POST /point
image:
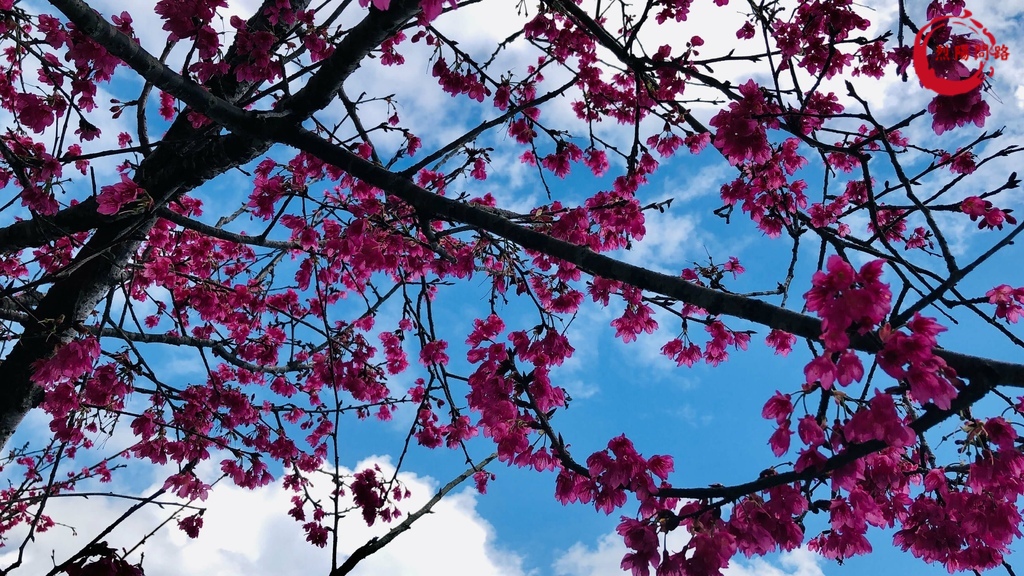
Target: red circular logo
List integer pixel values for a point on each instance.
(943, 47)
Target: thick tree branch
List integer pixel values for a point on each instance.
(165, 174)
(39, 230)
(715, 302)
(213, 231)
(976, 390)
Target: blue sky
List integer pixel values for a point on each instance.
(707, 418)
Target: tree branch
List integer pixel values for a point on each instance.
(376, 544)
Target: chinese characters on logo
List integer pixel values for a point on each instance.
(948, 47)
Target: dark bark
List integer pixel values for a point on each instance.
(167, 173)
(114, 243)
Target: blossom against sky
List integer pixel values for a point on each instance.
(707, 416)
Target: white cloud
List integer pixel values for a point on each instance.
(605, 557)
(669, 243)
(249, 532)
(706, 182)
(799, 562)
(603, 560)
(692, 416)
(579, 389)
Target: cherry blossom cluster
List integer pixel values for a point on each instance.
(814, 32)
(764, 189)
(985, 214)
(1008, 302)
(287, 318)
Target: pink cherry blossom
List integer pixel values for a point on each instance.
(113, 197)
(950, 112)
(1007, 301)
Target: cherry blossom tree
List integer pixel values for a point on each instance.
(303, 300)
